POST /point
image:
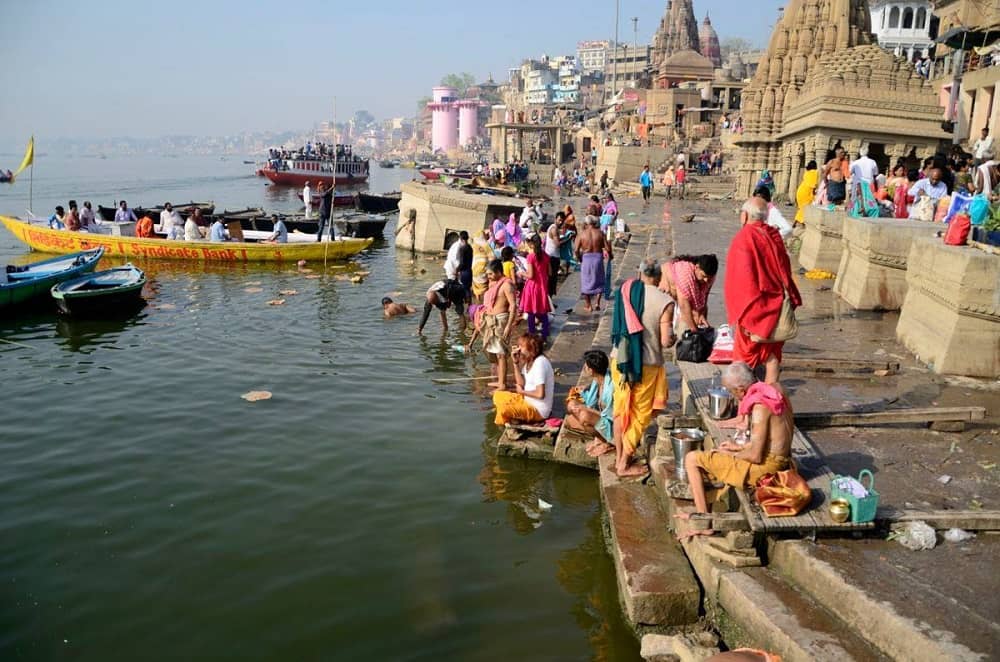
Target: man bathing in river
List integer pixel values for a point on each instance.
(497, 322)
(591, 249)
(443, 295)
(392, 309)
(771, 428)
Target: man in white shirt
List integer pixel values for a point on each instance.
(529, 219)
(191, 230)
(864, 169)
(454, 259)
(982, 150)
(124, 214)
(171, 223)
(931, 186)
(307, 198)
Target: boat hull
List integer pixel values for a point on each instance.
(289, 178)
(13, 294)
(64, 241)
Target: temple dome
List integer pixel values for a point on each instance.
(708, 39)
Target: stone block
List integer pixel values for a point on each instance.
(693, 647)
(872, 271)
(951, 314)
(571, 448)
(822, 240)
(739, 540)
(655, 581)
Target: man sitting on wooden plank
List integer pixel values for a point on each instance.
(772, 425)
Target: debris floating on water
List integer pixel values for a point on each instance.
(254, 396)
(253, 290)
(544, 505)
(276, 302)
(288, 293)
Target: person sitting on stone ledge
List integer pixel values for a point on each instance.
(534, 383)
(591, 411)
(772, 425)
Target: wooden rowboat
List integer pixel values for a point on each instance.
(41, 238)
(100, 293)
(19, 284)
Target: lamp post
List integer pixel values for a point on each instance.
(635, 50)
(614, 52)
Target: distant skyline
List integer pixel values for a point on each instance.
(115, 68)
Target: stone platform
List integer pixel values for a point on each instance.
(951, 315)
(822, 241)
(872, 271)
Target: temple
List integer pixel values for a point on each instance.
(676, 36)
(708, 39)
(823, 83)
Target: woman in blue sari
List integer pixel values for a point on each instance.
(592, 411)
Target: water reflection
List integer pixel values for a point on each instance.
(83, 335)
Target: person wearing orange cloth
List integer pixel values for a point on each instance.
(758, 276)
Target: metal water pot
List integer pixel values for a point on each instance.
(683, 441)
(720, 400)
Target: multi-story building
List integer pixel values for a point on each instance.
(905, 27)
(626, 67)
(567, 90)
(538, 85)
(592, 56)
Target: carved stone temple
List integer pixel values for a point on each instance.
(824, 83)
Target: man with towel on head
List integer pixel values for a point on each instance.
(591, 249)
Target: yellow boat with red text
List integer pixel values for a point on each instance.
(41, 238)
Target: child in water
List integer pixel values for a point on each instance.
(392, 309)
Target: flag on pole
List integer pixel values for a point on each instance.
(29, 158)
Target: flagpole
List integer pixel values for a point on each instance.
(31, 188)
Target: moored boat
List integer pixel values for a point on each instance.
(360, 225)
(39, 237)
(296, 170)
(22, 283)
(114, 290)
(379, 204)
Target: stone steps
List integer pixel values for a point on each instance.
(900, 630)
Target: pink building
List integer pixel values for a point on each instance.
(444, 118)
(468, 121)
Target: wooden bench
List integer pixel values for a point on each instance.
(696, 379)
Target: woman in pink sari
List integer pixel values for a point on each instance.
(535, 297)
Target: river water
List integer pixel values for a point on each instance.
(147, 512)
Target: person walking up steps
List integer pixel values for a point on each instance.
(646, 181)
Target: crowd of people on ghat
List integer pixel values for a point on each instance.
(935, 189)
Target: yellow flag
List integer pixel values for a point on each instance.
(29, 157)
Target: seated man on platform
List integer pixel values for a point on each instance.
(771, 428)
(592, 410)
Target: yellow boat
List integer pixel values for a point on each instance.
(42, 238)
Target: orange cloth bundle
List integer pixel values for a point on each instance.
(783, 494)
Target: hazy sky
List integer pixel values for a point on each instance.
(127, 68)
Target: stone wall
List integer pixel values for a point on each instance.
(441, 211)
(625, 163)
(951, 315)
(822, 242)
(872, 271)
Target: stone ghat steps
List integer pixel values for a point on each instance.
(842, 582)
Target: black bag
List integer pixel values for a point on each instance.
(695, 347)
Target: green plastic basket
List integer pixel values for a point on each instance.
(863, 509)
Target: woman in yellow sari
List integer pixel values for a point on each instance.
(806, 191)
(481, 255)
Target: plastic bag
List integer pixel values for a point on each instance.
(958, 230)
(958, 535)
(776, 220)
(722, 348)
(979, 209)
(917, 535)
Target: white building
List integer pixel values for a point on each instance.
(538, 86)
(592, 56)
(904, 26)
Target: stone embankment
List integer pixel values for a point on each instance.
(825, 599)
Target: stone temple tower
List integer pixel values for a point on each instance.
(709, 41)
(808, 30)
(678, 31)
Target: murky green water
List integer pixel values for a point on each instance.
(147, 512)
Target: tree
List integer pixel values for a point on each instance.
(460, 82)
(735, 45)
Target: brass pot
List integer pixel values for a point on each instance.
(840, 510)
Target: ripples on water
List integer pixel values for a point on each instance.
(150, 513)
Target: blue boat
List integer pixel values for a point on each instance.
(21, 283)
(117, 290)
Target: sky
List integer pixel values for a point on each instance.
(111, 68)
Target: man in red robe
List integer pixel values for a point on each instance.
(758, 274)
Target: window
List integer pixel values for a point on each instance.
(921, 19)
(908, 19)
(894, 18)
